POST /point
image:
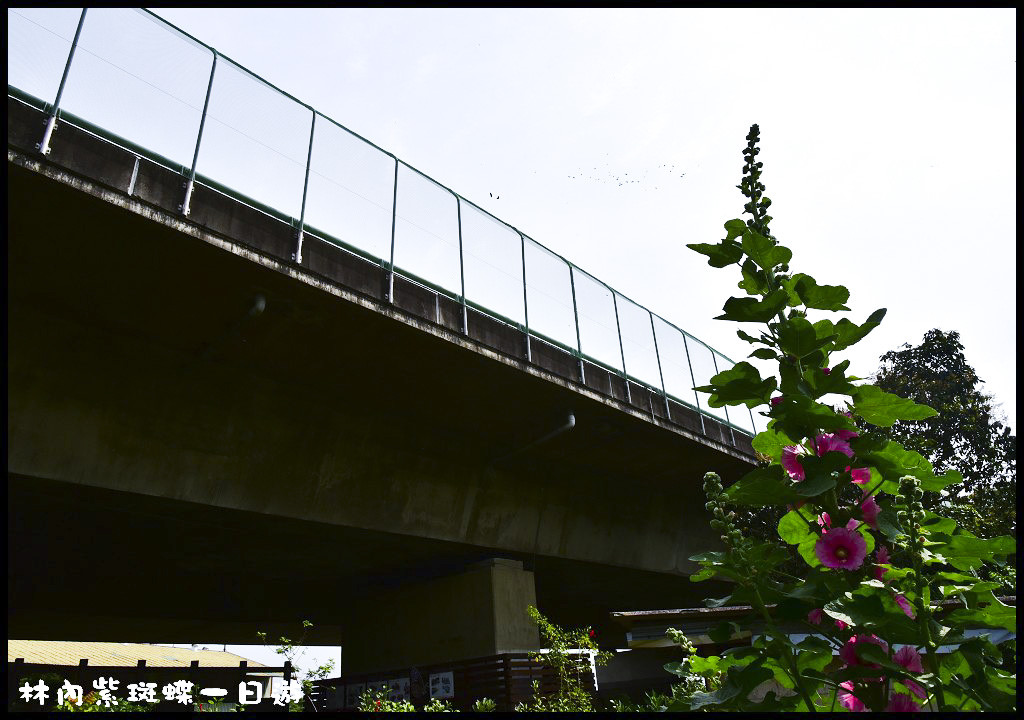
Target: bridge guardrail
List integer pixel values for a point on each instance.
(136, 76)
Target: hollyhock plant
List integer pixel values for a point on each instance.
(791, 464)
(848, 652)
(841, 549)
(869, 508)
(848, 700)
(905, 606)
(902, 703)
(846, 491)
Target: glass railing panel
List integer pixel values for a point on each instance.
(599, 335)
(638, 342)
(674, 362)
(38, 43)
(493, 257)
(549, 295)
(134, 76)
(739, 415)
(255, 140)
(703, 362)
(427, 231)
(351, 190)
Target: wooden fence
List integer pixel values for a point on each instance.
(507, 679)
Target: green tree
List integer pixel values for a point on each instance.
(966, 435)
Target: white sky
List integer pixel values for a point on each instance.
(614, 137)
(888, 138)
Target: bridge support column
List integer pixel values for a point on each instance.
(476, 613)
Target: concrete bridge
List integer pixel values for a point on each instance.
(207, 438)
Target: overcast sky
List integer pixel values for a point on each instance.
(614, 137)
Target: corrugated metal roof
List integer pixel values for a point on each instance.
(60, 652)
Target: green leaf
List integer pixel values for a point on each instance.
(883, 409)
(835, 382)
(888, 525)
(849, 333)
(764, 251)
(734, 228)
(770, 442)
(812, 487)
(798, 338)
(721, 255)
(793, 528)
(749, 338)
(763, 486)
(754, 281)
(739, 385)
(723, 632)
(800, 416)
(820, 297)
(751, 310)
(764, 354)
(806, 550)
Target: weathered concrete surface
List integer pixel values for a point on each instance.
(141, 374)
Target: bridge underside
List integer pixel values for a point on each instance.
(185, 465)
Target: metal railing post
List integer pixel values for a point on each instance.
(622, 352)
(297, 256)
(576, 316)
(462, 267)
(693, 379)
(185, 205)
(394, 215)
(661, 375)
(51, 121)
(526, 304)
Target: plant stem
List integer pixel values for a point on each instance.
(924, 614)
(793, 671)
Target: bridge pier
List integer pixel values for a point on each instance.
(478, 612)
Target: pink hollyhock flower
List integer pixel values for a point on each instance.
(870, 510)
(905, 606)
(832, 443)
(910, 658)
(776, 400)
(882, 558)
(846, 434)
(790, 464)
(815, 616)
(827, 371)
(915, 688)
(841, 625)
(861, 476)
(824, 520)
(848, 700)
(848, 655)
(841, 548)
(902, 703)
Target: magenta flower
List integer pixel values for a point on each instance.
(881, 558)
(910, 658)
(790, 464)
(902, 703)
(815, 616)
(861, 476)
(870, 510)
(846, 434)
(826, 371)
(915, 688)
(824, 520)
(841, 625)
(776, 400)
(848, 655)
(905, 606)
(832, 443)
(841, 548)
(848, 700)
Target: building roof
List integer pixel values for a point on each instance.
(112, 654)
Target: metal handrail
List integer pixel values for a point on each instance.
(390, 266)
